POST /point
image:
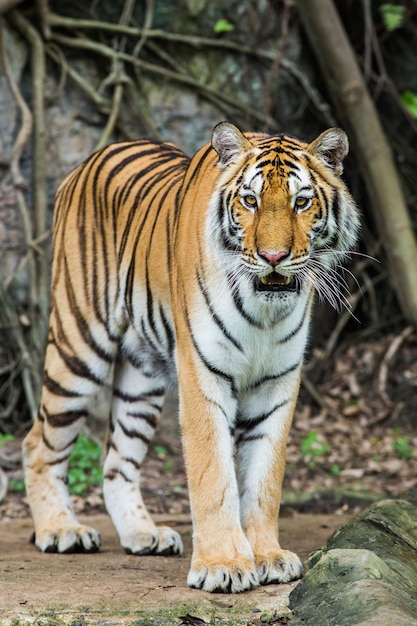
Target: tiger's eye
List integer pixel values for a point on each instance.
(250, 201)
(301, 202)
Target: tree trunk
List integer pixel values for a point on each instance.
(356, 109)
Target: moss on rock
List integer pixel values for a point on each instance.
(366, 574)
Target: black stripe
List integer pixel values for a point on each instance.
(149, 306)
(77, 367)
(54, 387)
(219, 406)
(243, 438)
(299, 326)
(212, 368)
(178, 163)
(194, 169)
(96, 263)
(148, 337)
(66, 418)
(62, 459)
(133, 434)
(51, 447)
(290, 164)
(214, 315)
(268, 378)
(169, 332)
(336, 209)
(132, 252)
(133, 462)
(82, 324)
(150, 419)
(230, 229)
(171, 178)
(114, 472)
(141, 397)
(253, 422)
(238, 302)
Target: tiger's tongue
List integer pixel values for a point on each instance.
(275, 279)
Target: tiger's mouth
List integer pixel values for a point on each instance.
(275, 282)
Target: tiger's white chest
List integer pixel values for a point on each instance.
(246, 351)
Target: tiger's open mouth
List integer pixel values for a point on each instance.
(275, 282)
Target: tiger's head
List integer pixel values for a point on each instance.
(287, 218)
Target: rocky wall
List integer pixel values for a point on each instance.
(211, 83)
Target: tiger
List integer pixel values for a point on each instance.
(199, 273)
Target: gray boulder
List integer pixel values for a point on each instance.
(366, 574)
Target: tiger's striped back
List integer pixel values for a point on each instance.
(111, 231)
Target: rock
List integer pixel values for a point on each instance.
(366, 574)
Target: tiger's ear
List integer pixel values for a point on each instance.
(228, 142)
(331, 147)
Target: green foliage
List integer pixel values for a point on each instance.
(313, 451)
(402, 448)
(14, 485)
(410, 101)
(335, 470)
(17, 486)
(84, 466)
(5, 438)
(392, 15)
(311, 446)
(160, 451)
(223, 26)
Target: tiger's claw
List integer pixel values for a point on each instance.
(68, 540)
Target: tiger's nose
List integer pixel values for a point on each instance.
(273, 258)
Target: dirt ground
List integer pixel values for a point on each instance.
(111, 588)
(354, 442)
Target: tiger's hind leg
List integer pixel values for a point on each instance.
(136, 408)
(69, 388)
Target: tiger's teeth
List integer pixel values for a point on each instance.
(273, 279)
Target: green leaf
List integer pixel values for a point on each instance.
(410, 101)
(223, 26)
(84, 470)
(168, 465)
(160, 451)
(312, 446)
(17, 486)
(403, 448)
(5, 438)
(392, 15)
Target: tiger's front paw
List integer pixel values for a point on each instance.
(280, 567)
(163, 541)
(67, 539)
(230, 576)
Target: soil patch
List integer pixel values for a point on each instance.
(111, 587)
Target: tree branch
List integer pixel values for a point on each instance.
(6, 5)
(356, 108)
(40, 202)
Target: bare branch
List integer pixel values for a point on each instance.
(6, 5)
(40, 290)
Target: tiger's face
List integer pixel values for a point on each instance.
(286, 215)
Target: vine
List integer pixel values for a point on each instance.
(128, 51)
